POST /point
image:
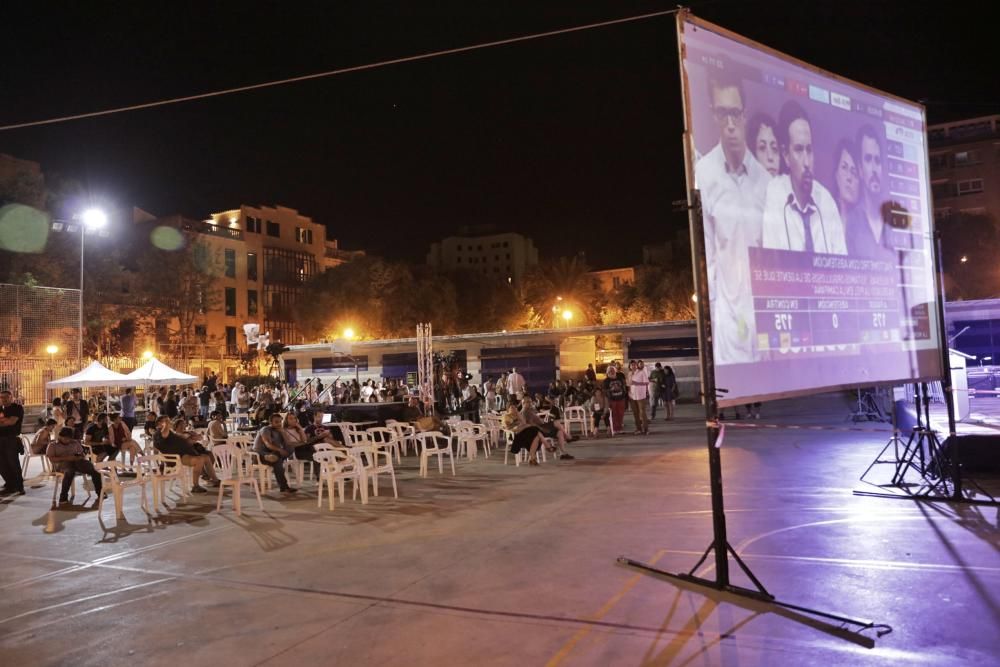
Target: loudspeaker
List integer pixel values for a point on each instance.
(977, 453)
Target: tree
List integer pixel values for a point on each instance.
(570, 279)
(179, 287)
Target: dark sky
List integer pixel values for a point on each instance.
(573, 140)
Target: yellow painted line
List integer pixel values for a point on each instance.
(568, 647)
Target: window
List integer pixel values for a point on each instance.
(231, 346)
(939, 161)
(231, 301)
(200, 332)
(230, 263)
(508, 255)
(943, 190)
(616, 281)
(251, 266)
(253, 225)
(251, 302)
(273, 229)
(963, 158)
(303, 235)
(479, 247)
(971, 186)
(505, 245)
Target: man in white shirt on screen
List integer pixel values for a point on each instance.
(732, 185)
(800, 214)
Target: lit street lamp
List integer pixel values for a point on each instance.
(92, 218)
(349, 333)
(567, 315)
(147, 355)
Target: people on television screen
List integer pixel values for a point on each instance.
(868, 235)
(799, 213)
(763, 140)
(732, 185)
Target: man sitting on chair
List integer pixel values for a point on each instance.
(168, 442)
(98, 438)
(68, 457)
(273, 449)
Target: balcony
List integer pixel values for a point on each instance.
(220, 231)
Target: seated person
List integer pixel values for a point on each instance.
(550, 429)
(40, 443)
(599, 410)
(526, 436)
(68, 457)
(182, 427)
(201, 463)
(318, 432)
(270, 445)
(97, 436)
(149, 426)
(296, 438)
(121, 438)
(217, 432)
(412, 412)
(77, 428)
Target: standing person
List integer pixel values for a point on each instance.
(204, 400)
(11, 416)
(638, 393)
(591, 375)
(78, 407)
(670, 391)
(657, 380)
(169, 406)
(128, 410)
(68, 457)
(733, 185)
(614, 389)
(501, 389)
(516, 386)
(58, 413)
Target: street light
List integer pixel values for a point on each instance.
(147, 355)
(92, 218)
(567, 315)
(349, 333)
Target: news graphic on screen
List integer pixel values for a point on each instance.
(815, 201)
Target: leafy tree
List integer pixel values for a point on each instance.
(568, 278)
(976, 239)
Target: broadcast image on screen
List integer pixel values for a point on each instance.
(815, 201)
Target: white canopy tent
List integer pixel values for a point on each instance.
(94, 375)
(155, 371)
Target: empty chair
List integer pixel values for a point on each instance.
(385, 438)
(26, 442)
(576, 415)
(117, 486)
(232, 473)
(435, 443)
(469, 437)
(335, 468)
(165, 470)
(406, 435)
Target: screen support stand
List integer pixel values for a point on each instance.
(720, 542)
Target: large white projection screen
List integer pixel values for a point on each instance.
(817, 214)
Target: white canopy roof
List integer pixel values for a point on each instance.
(155, 371)
(94, 375)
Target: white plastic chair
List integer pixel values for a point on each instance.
(576, 415)
(164, 471)
(232, 472)
(335, 468)
(376, 460)
(26, 441)
(470, 436)
(435, 443)
(406, 435)
(49, 472)
(117, 486)
(385, 438)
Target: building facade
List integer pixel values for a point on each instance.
(269, 254)
(504, 256)
(965, 167)
(612, 279)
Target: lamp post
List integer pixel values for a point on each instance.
(92, 218)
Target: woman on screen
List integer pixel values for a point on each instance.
(845, 179)
(764, 142)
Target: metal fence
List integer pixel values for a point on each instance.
(39, 338)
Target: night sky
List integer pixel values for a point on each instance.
(573, 140)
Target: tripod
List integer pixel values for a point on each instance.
(867, 409)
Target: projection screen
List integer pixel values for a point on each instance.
(818, 230)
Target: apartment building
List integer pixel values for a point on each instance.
(965, 167)
(504, 256)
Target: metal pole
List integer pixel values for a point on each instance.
(946, 387)
(79, 351)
